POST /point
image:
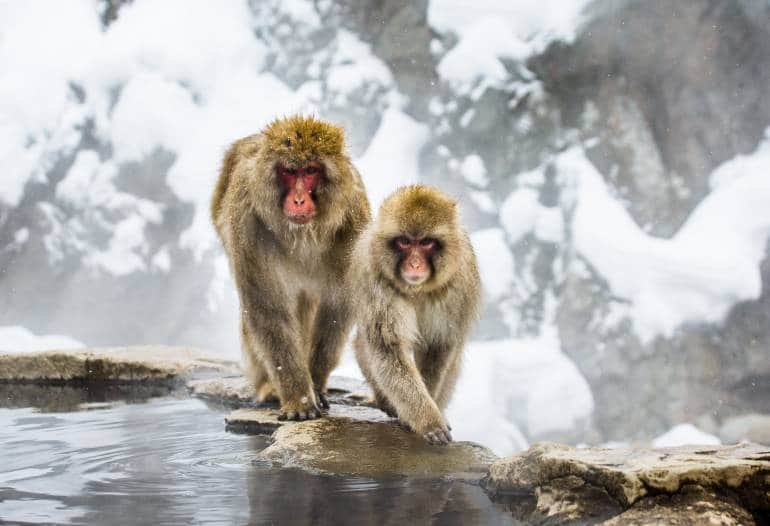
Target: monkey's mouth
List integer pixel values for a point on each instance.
(300, 219)
(415, 278)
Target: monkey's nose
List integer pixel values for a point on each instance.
(299, 200)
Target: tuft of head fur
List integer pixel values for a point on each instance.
(298, 140)
(418, 210)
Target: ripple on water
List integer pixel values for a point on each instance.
(170, 461)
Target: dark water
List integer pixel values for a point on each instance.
(168, 460)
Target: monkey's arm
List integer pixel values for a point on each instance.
(398, 378)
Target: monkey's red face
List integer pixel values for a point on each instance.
(298, 187)
(415, 263)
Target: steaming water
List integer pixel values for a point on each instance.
(168, 460)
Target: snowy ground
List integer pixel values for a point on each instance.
(15, 339)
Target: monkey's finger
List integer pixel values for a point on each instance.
(431, 437)
(323, 400)
(282, 416)
(445, 435)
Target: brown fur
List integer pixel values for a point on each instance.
(295, 311)
(410, 338)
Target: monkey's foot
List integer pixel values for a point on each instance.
(266, 394)
(303, 409)
(323, 401)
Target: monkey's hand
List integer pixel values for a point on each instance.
(435, 431)
(302, 409)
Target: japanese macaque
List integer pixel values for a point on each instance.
(289, 207)
(418, 291)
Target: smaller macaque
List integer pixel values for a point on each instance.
(418, 293)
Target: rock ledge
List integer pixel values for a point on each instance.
(114, 364)
(728, 485)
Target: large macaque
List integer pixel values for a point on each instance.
(288, 207)
(418, 291)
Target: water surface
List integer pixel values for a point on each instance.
(85, 457)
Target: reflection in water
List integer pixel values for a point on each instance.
(169, 461)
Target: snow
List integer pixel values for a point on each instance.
(508, 385)
(355, 65)
(16, 339)
(685, 435)
(701, 272)
(483, 200)
(477, 55)
(162, 260)
(521, 213)
(474, 172)
(496, 265)
(392, 158)
(524, 18)
(489, 31)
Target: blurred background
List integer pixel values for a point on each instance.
(611, 158)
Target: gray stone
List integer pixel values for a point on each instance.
(115, 364)
(685, 484)
(371, 448)
(694, 506)
(351, 438)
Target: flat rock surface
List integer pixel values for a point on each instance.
(359, 446)
(120, 364)
(236, 390)
(264, 420)
(721, 483)
(350, 439)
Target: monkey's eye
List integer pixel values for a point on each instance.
(312, 170)
(428, 243)
(402, 242)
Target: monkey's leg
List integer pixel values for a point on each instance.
(382, 403)
(445, 389)
(331, 328)
(255, 371)
(435, 363)
(277, 340)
